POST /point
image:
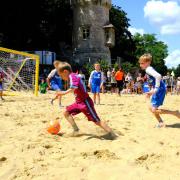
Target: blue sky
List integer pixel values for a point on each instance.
(160, 17)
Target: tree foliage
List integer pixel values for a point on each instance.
(124, 45)
(35, 25)
(148, 43)
(176, 70)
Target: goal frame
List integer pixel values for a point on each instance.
(33, 57)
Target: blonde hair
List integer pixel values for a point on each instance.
(64, 66)
(96, 64)
(146, 58)
(56, 63)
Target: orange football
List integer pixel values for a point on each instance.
(53, 127)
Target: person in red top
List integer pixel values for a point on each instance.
(83, 103)
(119, 76)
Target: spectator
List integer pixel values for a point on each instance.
(119, 76)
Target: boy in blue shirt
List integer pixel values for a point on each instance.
(96, 82)
(54, 81)
(158, 90)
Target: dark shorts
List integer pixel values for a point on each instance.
(86, 107)
(120, 85)
(1, 87)
(113, 85)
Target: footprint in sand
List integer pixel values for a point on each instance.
(126, 128)
(151, 158)
(3, 159)
(48, 146)
(161, 143)
(101, 154)
(134, 140)
(105, 154)
(10, 168)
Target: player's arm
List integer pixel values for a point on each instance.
(74, 82)
(102, 79)
(157, 77)
(90, 79)
(48, 83)
(51, 74)
(62, 93)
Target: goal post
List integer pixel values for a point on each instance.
(20, 70)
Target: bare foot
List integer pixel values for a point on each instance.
(52, 101)
(177, 114)
(161, 125)
(110, 136)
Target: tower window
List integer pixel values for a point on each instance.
(86, 33)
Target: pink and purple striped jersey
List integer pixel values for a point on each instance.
(80, 91)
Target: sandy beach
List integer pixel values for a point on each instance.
(141, 151)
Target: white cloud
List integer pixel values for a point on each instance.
(165, 15)
(173, 60)
(135, 30)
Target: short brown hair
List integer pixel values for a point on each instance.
(146, 58)
(64, 66)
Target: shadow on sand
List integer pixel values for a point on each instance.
(89, 136)
(176, 125)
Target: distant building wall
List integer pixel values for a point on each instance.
(89, 38)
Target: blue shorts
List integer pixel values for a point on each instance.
(1, 87)
(146, 88)
(158, 98)
(56, 87)
(95, 89)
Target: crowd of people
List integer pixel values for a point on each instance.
(125, 83)
(113, 81)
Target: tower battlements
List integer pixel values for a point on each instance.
(105, 3)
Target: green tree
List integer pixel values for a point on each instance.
(177, 71)
(32, 25)
(148, 43)
(124, 44)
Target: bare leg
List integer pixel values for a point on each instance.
(165, 111)
(104, 126)
(1, 94)
(94, 98)
(98, 98)
(110, 134)
(59, 98)
(157, 116)
(70, 119)
(119, 91)
(52, 100)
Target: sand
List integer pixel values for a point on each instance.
(141, 151)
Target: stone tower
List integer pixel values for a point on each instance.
(93, 34)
